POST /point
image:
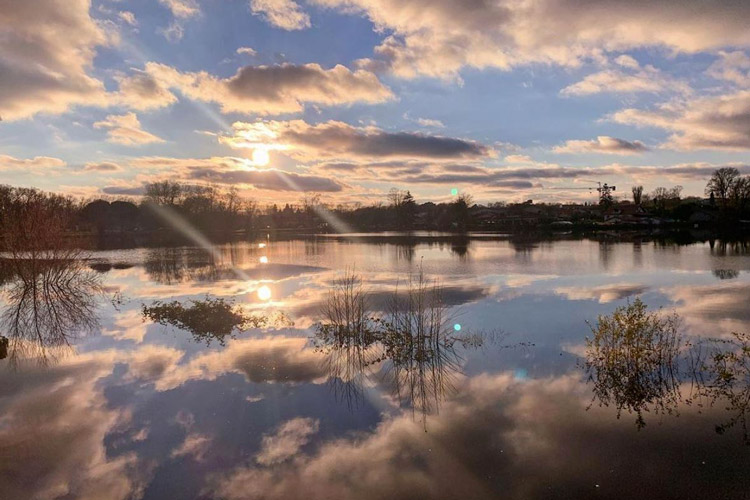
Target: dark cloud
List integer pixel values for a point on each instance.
(124, 190)
(273, 180)
(602, 144)
(333, 139)
(277, 89)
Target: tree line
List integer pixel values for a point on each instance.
(29, 216)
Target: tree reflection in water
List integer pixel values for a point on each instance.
(639, 362)
(722, 376)
(50, 299)
(409, 347)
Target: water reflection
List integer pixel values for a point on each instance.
(726, 274)
(48, 302)
(640, 361)
(409, 348)
(723, 378)
(253, 416)
(208, 319)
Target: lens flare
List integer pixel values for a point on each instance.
(263, 259)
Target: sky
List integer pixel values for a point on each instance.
(507, 100)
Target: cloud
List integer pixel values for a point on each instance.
(47, 49)
(439, 37)
(277, 359)
(173, 33)
(128, 17)
(195, 446)
(732, 67)
(270, 179)
(104, 166)
(627, 61)
(8, 162)
(124, 190)
(714, 122)
(340, 140)
(602, 144)
(717, 308)
(247, 50)
(55, 424)
(428, 122)
(602, 294)
(616, 81)
(126, 129)
(182, 9)
(222, 170)
(142, 91)
(284, 14)
(532, 439)
(287, 441)
(270, 90)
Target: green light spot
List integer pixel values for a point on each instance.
(454, 192)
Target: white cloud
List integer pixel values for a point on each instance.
(646, 79)
(287, 441)
(284, 14)
(247, 51)
(429, 122)
(173, 33)
(47, 48)
(715, 122)
(627, 61)
(8, 162)
(182, 9)
(126, 129)
(732, 67)
(439, 37)
(128, 17)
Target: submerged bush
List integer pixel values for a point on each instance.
(409, 345)
(633, 360)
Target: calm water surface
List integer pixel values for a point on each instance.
(136, 409)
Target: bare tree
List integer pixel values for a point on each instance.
(721, 183)
(637, 195)
(164, 193)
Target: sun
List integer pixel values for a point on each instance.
(264, 293)
(261, 157)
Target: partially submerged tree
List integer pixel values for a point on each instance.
(632, 360)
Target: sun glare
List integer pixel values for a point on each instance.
(261, 157)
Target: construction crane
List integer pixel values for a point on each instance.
(605, 191)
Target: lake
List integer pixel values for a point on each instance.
(280, 369)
